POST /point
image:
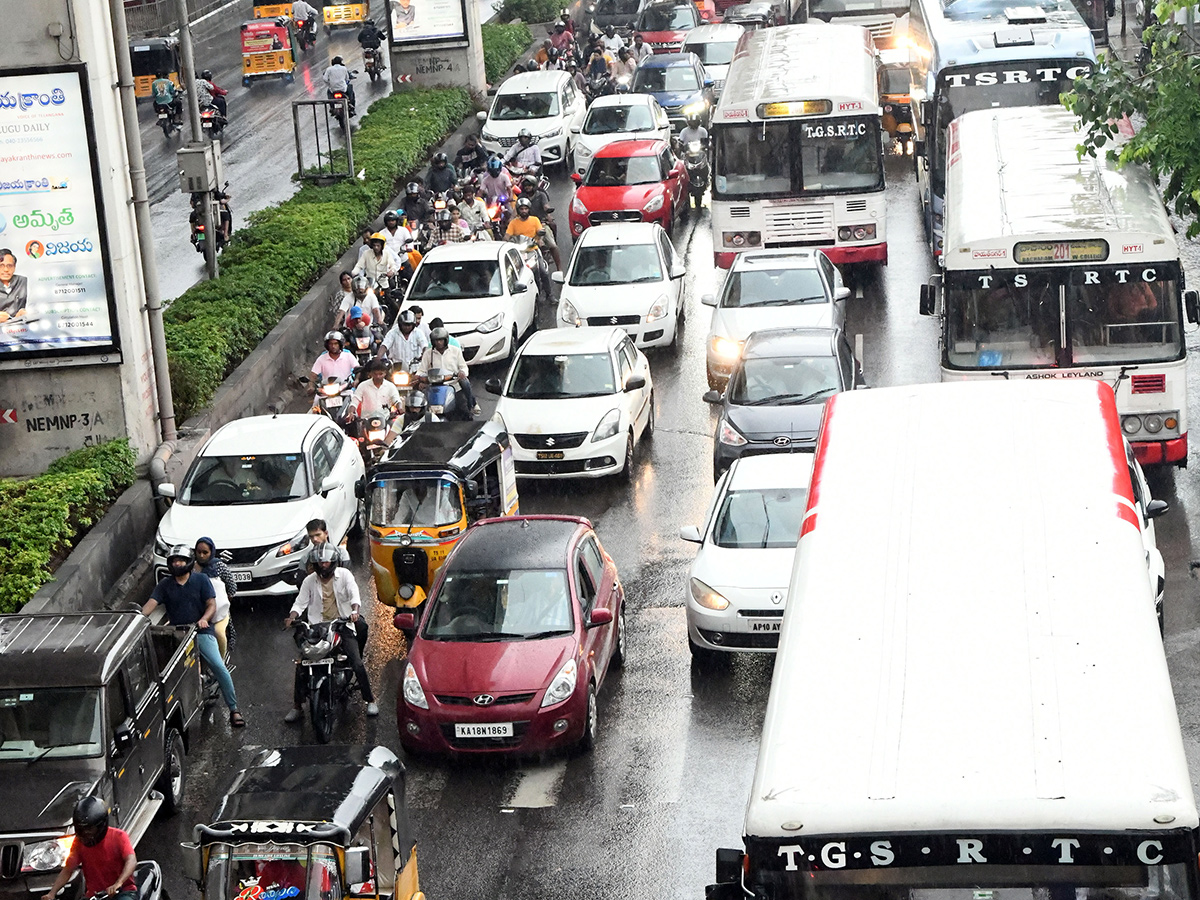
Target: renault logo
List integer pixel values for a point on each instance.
(776, 597)
(782, 441)
(226, 555)
(484, 700)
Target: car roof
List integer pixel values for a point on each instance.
(585, 339)
(749, 9)
(763, 471)
(517, 542)
(70, 650)
(776, 342)
(611, 233)
(466, 250)
(666, 60)
(722, 31)
(620, 100)
(262, 435)
(543, 80)
(641, 147)
(776, 259)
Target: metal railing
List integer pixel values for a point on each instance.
(146, 18)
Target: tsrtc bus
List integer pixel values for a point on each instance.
(984, 54)
(1056, 267)
(798, 158)
(970, 699)
(883, 18)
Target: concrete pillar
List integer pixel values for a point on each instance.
(437, 43)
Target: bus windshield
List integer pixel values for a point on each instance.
(799, 156)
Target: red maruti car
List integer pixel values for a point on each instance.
(631, 181)
(524, 621)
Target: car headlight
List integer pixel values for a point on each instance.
(583, 152)
(295, 545)
(706, 596)
(659, 309)
(577, 207)
(46, 856)
(729, 435)
(724, 348)
(161, 547)
(552, 134)
(695, 109)
(488, 136)
(654, 205)
(414, 694)
(568, 313)
(562, 686)
(608, 425)
(491, 324)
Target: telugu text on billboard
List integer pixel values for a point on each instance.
(426, 21)
(55, 287)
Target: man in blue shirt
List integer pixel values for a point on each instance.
(190, 599)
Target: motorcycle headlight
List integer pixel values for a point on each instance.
(729, 435)
(577, 207)
(582, 152)
(331, 390)
(726, 349)
(693, 147)
(562, 686)
(706, 596)
(295, 545)
(400, 378)
(654, 205)
(659, 309)
(375, 437)
(491, 324)
(46, 856)
(568, 313)
(552, 134)
(608, 425)
(414, 694)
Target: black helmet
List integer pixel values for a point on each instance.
(390, 216)
(206, 74)
(334, 336)
(525, 136)
(440, 160)
(532, 65)
(445, 216)
(494, 165)
(416, 400)
(324, 559)
(91, 820)
(413, 189)
(693, 119)
(610, 30)
(180, 552)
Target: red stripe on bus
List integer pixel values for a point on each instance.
(1116, 446)
(810, 522)
(814, 486)
(1124, 512)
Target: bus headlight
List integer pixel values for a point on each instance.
(1131, 424)
(856, 232)
(1153, 423)
(739, 239)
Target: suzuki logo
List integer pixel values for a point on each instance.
(782, 441)
(484, 700)
(549, 442)
(226, 556)
(613, 320)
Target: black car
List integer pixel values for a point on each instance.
(754, 16)
(777, 392)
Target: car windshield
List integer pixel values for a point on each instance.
(772, 287)
(457, 279)
(713, 53)
(671, 79)
(615, 171)
(416, 502)
(784, 381)
(562, 377)
(55, 723)
(624, 8)
(272, 872)
(233, 480)
(767, 519)
(616, 264)
(502, 604)
(613, 119)
(667, 18)
(525, 106)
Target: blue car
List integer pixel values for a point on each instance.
(678, 82)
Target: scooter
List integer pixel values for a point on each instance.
(364, 342)
(441, 394)
(373, 63)
(531, 253)
(332, 399)
(695, 160)
(212, 121)
(170, 117)
(328, 679)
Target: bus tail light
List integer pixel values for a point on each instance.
(856, 232)
(740, 239)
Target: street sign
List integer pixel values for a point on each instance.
(8, 416)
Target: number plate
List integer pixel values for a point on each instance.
(333, 402)
(242, 576)
(765, 626)
(490, 730)
(549, 454)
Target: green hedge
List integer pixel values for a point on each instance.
(272, 261)
(529, 10)
(44, 516)
(502, 47)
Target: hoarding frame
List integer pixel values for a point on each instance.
(430, 43)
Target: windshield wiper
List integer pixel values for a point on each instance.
(40, 756)
(545, 634)
(787, 399)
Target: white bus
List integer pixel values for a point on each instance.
(798, 157)
(885, 19)
(1057, 267)
(970, 699)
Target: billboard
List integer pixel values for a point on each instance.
(413, 23)
(56, 295)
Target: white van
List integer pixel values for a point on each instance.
(546, 103)
(714, 46)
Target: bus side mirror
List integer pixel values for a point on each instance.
(358, 865)
(918, 149)
(192, 862)
(930, 292)
(1191, 304)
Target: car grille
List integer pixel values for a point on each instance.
(562, 466)
(503, 700)
(761, 641)
(614, 320)
(506, 142)
(551, 441)
(800, 223)
(242, 556)
(761, 613)
(739, 212)
(614, 215)
(673, 110)
(10, 860)
(519, 729)
(1148, 384)
(665, 48)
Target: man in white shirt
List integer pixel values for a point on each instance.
(441, 355)
(378, 260)
(395, 235)
(405, 343)
(360, 295)
(525, 153)
(302, 11)
(612, 41)
(333, 363)
(641, 50)
(337, 80)
(376, 394)
(329, 593)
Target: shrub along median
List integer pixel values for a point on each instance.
(44, 516)
(270, 263)
(502, 47)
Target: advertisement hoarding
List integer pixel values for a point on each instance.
(56, 295)
(416, 23)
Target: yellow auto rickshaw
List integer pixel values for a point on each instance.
(149, 57)
(310, 823)
(438, 479)
(345, 15)
(263, 9)
(895, 86)
(268, 48)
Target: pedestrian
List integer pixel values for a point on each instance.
(104, 852)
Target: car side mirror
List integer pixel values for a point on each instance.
(1191, 305)
(358, 865)
(678, 271)
(576, 129)
(558, 278)
(708, 299)
(192, 864)
(712, 397)
(481, 115)
(600, 616)
(405, 621)
(841, 293)
(520, 287)
(635, 383)
(577, 178)
(1156, 508)
(124, 737)
(691, 533)
(166, 489)
(492, 386)
(330, 484)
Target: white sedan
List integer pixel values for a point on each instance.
(482, 291)
(624, 274)
(576, 402)
(739, 580)
(618, 117)
(254, 486)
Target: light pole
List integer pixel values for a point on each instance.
(188, 76)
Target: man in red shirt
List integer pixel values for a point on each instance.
(105, 854)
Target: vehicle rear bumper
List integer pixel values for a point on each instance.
(875, 253)
(1150, 453)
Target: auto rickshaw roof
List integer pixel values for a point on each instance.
(314, 784)
(141, 45)
(461, 447)
(264, 27)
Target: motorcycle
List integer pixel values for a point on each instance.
(332, 399)
(212, 121)
(378, 431)
(599, 86)
(342, 107)
(695, 160)
(170, 117)
(222, 220)
(535, 261)
(328, 680)
(306, 33)
(498, 215)
(441, 394)
(364, 342)
(372, 63)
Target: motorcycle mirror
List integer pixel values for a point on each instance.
(577, 178)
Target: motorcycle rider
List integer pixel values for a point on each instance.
(525, 152)
(103, 851)
(497, 183)
(525, 224)
(305, 16)
(576, 76)
(414, 411)
(208, 94)
(376, 394)
(612, 41)
(361, 297)
(470, 156)
(378, 260)
(693, 131)
(333, 363)
(190, 599)
(208, 563)
(329, 593)
(337, 78)
(446, 229)
(624, 65)
(395, 235)
(474, 208)
(371, 38)
(165, 94)
(404, 343)
(561, 40)
(640, 49)
(318, 534)
(543, 54)
(441, 177)
(414, 206)
(441, 355)
(540, 208)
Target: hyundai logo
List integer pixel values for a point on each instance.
(782, 441)
(484, 700)
(226, 556)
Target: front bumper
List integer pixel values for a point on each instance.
(270, 577)
(480, 348)
(35, 885)
(580, 223)
(535, 730)
(554, 150)
(735, 630)
(848, 255)
(592, 459)
(1152, 453)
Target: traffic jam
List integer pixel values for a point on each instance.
(964, 697)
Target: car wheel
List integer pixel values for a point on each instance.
(627, 471)
(702, 657)
(170, 783)
(588, 742)
(620, 652)
(358, 524)
(512, 343)
(648, 434)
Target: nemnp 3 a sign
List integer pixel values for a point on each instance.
(56, 295)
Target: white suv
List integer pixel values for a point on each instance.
(546, 103)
